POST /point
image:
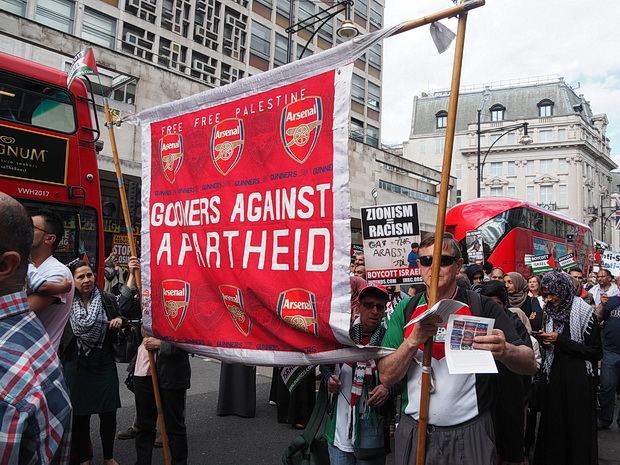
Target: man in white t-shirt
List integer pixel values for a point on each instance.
(53, 311)
(605, 287)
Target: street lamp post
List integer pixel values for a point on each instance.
(525, 139)
(346, 30)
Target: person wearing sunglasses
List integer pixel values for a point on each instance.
(571, 337)
(460, 404)
(54, 310)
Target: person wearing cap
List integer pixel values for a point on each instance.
(355, 433)
(460, 404)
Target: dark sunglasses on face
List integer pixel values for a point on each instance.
(369, 305)
(446, 260)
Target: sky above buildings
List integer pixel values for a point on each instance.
(506, 40)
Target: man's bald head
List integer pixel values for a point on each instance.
(16, 236)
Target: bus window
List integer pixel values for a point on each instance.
(36, 104)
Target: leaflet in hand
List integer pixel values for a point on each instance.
(443, 309)
(460, 354)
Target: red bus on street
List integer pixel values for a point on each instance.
(511, 228)
(48, 152)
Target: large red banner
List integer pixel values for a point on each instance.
(246, 233)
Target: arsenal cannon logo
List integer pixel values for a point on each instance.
(175, 299)
(233, 300)
(300, 127)
(297, 307)
(171, 155)
(227, 144)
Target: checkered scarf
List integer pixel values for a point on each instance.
(89, 324)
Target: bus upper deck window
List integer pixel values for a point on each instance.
(54, 115)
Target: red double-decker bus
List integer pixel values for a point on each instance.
(48, 156)
(512, 228)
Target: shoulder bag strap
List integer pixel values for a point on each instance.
(317, 415)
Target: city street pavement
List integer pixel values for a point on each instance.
(260, 440)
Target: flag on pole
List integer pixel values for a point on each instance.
(83, 64)
(617, 213)
(246, 216)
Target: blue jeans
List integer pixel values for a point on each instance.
(338, 457)
(610, 374)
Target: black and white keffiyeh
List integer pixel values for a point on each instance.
(89, 325)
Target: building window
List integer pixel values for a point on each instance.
(358, 91)
(361, 8)
(17, 7)
(458, 171)
(439, 145)
(496, 169)
(459, 195)
(563, 169)
(357, 130)
(512, 168)
(260, 41)
(99, 28)
(531, 197)
(545, 108)
(512, 192)
(563, 195)
(374, 56)
(561, 135)
(442, 119)
(546, 166)
(374, 96)
(326, 31)
(305, 11)
(422, 147)
(546, 195)
(125, 93)
(497, 112)
(57, 14)
(375, 13)
(511, 138)
(372, 136)
(530, 167)
(496, 140)
(545, 136)
(280, 51)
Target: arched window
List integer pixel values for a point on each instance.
(545, 108)
(498, 112)
(442, 119)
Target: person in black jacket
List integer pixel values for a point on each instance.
(173, 375)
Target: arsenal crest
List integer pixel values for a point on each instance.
(175, 300)
(171, 155)
(297, 307)
(233, 300)
(227, 144)
(300, 127)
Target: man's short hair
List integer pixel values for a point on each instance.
(462, 281)
(415, 245)
(487, 267)
(53, 224)
(577, 269)
(448, 241)
(495, 289)
(607, 272)
(17, 232)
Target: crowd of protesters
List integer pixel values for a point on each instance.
(550, 332)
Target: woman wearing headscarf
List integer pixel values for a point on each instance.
(89, 365)
(567, 432)
(516, 285)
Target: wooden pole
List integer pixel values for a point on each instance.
(441, 220)
(132, 248)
